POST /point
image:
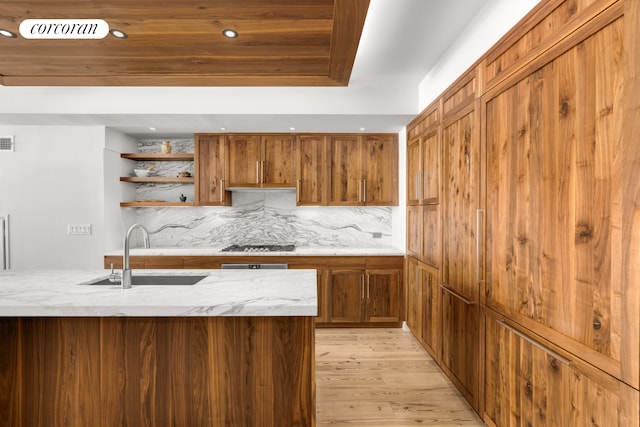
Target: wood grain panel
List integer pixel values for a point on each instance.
(244, 158)
(310, 42)
(279, 166)
(559, 190)
(210, 170)
(312, 170)
(158, 371)
(346, 295)
(381, 171)
(426, 120)
(384, 301)
(346, 169)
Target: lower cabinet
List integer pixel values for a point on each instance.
(529, 382)
(424, 305)
(354, 290)
(364, 296)
(460, 356)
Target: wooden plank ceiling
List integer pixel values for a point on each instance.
(180, 43)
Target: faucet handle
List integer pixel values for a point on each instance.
(114, 277)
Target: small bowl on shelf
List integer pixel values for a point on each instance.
(143, 173)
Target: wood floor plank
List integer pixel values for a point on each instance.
(383, 378)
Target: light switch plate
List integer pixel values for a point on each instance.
(84, 229)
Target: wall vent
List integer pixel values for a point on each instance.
(7, 143)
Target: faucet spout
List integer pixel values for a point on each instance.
(126, 269)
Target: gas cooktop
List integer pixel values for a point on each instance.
(259, 248)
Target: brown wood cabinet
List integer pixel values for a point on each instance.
(563, 197)
(423, 168)
(157, 371)
(540, 208)
(530, 382)
(424, 305)
(364, 296)
(261, 160)
(363, 170)
(312, 170)
(353, 290)
(211, 170)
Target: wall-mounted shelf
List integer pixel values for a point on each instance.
(139, 204)
(157, 180)
(142, 157)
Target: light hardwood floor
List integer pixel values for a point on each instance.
(383, 377)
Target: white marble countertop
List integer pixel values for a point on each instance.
(317, 251)
(70, 293)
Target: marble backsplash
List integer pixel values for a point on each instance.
(256, 217)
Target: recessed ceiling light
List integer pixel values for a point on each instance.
(229, 33)
(118, 34)
(7, 33)
(152, 129)
(363, 129)
(292, 128)
(223, 128)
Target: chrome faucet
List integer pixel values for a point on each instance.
(126, 269)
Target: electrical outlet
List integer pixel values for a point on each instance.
(79, 229)
(376, 235)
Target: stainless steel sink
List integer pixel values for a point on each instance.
(158, 280)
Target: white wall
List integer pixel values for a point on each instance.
(117, 219)
(493, 21)
(54, 178)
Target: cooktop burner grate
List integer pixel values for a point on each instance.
(259, 248)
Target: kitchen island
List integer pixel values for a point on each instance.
(235, 349)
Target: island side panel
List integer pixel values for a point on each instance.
(197, 371)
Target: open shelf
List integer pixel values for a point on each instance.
(139, 204)
(157, 180)
(176, 157)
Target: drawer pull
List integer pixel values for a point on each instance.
(457, 295)
(531, 341)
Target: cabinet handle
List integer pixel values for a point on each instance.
(257, 172)
(364, 190)
(222, 190)
(457, 295)
(298, 184)
(479, 240)
(416, 288)
(368, 286)
(417, 185)
(535, 343)
(362, 286)
(262, 172)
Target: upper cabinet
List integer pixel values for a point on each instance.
(211, 169)
(312, 170)
(423, 159)
(364, 170)
(261, 160)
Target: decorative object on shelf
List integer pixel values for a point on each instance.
(184, 174)
(183, 198)
(166, 147)
(142, 172)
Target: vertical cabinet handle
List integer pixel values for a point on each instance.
(362, 286)
(368, 285)
(479, 241)
(298, 184)
(417, 185)
(257, 171)
(262, 172)
(364, 190)
(222, 190)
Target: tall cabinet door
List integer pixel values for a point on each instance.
(311, 167)
(563, 203)
(345, 187)
(210, 166)
(460, 296)
(244, 160)
(380, 175)
(278, 165)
